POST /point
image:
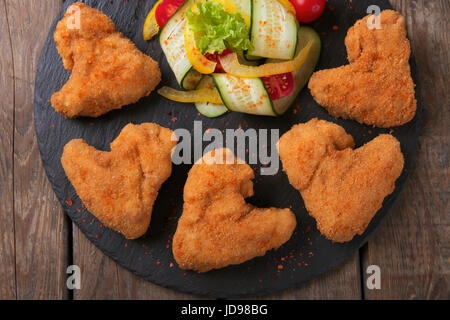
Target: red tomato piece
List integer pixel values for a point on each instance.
(308, 10)
(215, 57)
(279, 85)
(165, 10)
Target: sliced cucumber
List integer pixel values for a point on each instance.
(273, 31)
(171, 40)
(246, 7)
(248, 62)
(301, 75)
(191, 80)
(250, 58)
(210, 110)
(244, 94)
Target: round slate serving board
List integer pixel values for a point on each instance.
(305, 256)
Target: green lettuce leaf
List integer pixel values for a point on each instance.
(216, 30)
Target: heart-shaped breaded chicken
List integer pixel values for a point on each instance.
(376, 88)
(217, 227)
(119, 187)
(342, 188)
(108, 71)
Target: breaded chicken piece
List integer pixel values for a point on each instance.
(217, 227)
(376, 88)
(108, 71)
(119, 187)
(342, 188)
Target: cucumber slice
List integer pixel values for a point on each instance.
(171, 40)
(207, 109)
(191, 79)
(273, 30)
(244, 60)
(301, 75)
(246, 7)
(251, 58)
(244, 94)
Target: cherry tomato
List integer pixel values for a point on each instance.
(215, 57)
(308, 10)
(279, 85)
(165, 10)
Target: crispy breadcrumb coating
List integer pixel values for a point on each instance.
(119, 187)
(342, 187)
(218, 228)
(376, 88)
(108, 71)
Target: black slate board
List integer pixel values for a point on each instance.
(151, 256)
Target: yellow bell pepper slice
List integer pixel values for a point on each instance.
(288, 6)
(196, 58)
(210, 95)
(231, 65)
(151, 27)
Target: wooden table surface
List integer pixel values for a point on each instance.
(38, 241)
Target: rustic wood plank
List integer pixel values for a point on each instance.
(343, 283)
(99, 278)
(412, 247)
(40, 226)
(134, 287)
(7, 257)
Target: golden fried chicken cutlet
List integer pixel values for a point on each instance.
(108, 71)
(342, 187)
(119, 187)
(376, 88)
(217, 227)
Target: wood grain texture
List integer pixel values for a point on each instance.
(343, 283)
(98, 273)
(40, 225)
(7, 257)
(134, 287)
(412, 247)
